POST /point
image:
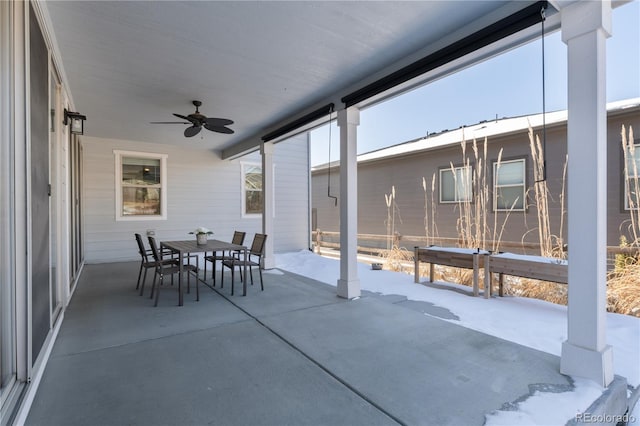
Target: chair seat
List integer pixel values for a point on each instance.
(153, 263)
(239, 262)
(215, 257)
(173, 268)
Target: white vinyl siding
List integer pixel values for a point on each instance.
(509, 185)
(202, 190)
(455, 185)
(291, 205)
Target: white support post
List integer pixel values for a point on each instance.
(266, 149)
(585, 28)
(348, 284)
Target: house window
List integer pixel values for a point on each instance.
(251, 189)
(140, 185)
(455, 184)
(509, 185)
(632, 178)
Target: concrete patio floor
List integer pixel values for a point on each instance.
(294, 354)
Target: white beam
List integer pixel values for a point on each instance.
(585, 27)
(266, 149)
(348, 284)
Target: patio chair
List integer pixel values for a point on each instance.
(147, 262)
(256, 251)
(163, 269)
(238, 238)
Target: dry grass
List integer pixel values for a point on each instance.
(392, 212)
(623, 287)
(430, 229)
(472, 208)
(543, 290)
(623, 283)
(632, 183)
(457, 275)
(551, 245)
(398, 259)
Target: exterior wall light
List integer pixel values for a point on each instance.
(77, 121)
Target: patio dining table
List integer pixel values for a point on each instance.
(185, 248)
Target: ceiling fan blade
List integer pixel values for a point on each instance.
(213, 122)
(189, 119)
(168, 122)
(219, 129)
(192, 131)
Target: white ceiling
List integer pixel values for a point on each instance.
(259, 63)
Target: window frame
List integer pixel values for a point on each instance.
(119, 155)
(625, 179)
(495, 186)
(455, 189)
(244, 166)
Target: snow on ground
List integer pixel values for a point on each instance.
(533, 323)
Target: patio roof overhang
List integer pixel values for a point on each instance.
(265, 65)
(508, 32)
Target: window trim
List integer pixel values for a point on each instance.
(522, 160)
(119, 155)
(455, 169)
(625, 181)
(244, 165)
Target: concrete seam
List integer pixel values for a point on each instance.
(312, 360)
(121, 345)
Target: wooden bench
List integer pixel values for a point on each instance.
(534, 267)
(450, 256)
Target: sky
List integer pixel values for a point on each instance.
(508, 85)
(533, 323)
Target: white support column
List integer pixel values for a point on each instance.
(585, 28)
(348, 284)
(266, 149)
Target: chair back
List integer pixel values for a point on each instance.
(258, 244)
(154, 249)
(238, 237)
(141, 249)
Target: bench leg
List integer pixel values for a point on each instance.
(487, 276)
(500, 283)
(488, 285)
(431, 272)
(476, 273)
(416, 268)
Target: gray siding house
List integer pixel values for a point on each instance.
(403, 168)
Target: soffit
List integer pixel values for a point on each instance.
(259, 63)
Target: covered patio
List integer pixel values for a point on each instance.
(74, 331)
(293, 354)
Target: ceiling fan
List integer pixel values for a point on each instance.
(198, 121)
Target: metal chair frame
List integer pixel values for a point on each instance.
(167, 268)
(147, 263)
(257, 250)
(238, 238)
